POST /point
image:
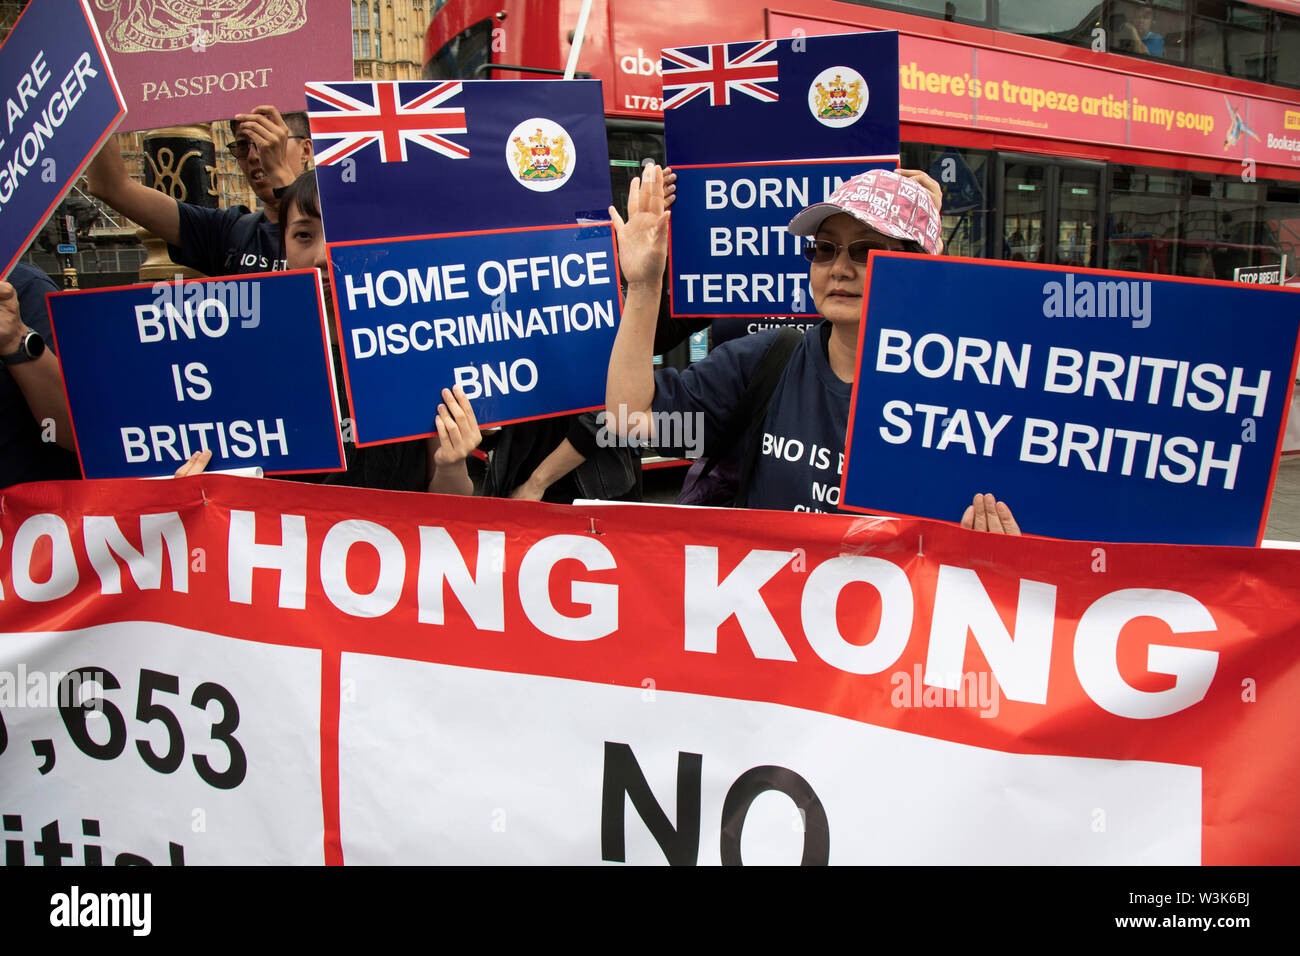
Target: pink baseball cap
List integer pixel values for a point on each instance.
(882, 199)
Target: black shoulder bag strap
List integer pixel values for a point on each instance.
(758, 391)
(757, 398)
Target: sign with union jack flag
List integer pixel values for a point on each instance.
(470, 244)
(718, 72)
(818, 97)
(384, 118)
(402, 159)
(755, 132)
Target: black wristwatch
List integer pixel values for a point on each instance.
(30, 348)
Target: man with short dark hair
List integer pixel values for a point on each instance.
(272, 150)
(1137, 35)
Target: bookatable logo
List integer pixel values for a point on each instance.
(1284, 142)
(160, 26)
(540, 153)
(838, 96)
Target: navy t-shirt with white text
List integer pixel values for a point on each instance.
(801, 455)
(211, 241)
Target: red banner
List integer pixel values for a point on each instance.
(314, 646)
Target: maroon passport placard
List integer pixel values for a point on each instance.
(189, 61)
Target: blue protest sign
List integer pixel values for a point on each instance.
(756, 131)
(522, 321)
(413, 159)
(731, 252)
(60, 104)
(1104, 406)
(238, 366)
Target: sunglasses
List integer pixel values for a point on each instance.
(823, 250)
(239, 147)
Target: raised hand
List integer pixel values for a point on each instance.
(926, 181)
(643, 237)
(268, 131)
(458, 431)
(195, 465)
(986, 513)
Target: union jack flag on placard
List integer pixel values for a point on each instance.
(711, 69)
(367, 191)
(390, 114)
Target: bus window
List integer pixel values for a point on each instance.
(1025, 196)
(963, 176)
(1145, 218)
(630, 143)
(963, 11)
(1065, 21)
(1076, 241)
(462, 54)
(1231, 39)
(1286, 51)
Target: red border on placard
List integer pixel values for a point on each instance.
(667, 463)
(896, 158)
(1045, 267)
(113, 124)
(882, 158)
(331, 677)
(324, 331)
(338, 317)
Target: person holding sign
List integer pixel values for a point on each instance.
(400, 465)
(272, 150)
(437, 464)
(35, 431)
(797, 445)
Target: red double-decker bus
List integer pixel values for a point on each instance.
(1161, 137)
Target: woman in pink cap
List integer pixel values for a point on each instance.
(795, 441)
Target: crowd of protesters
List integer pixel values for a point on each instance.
(771, 383)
